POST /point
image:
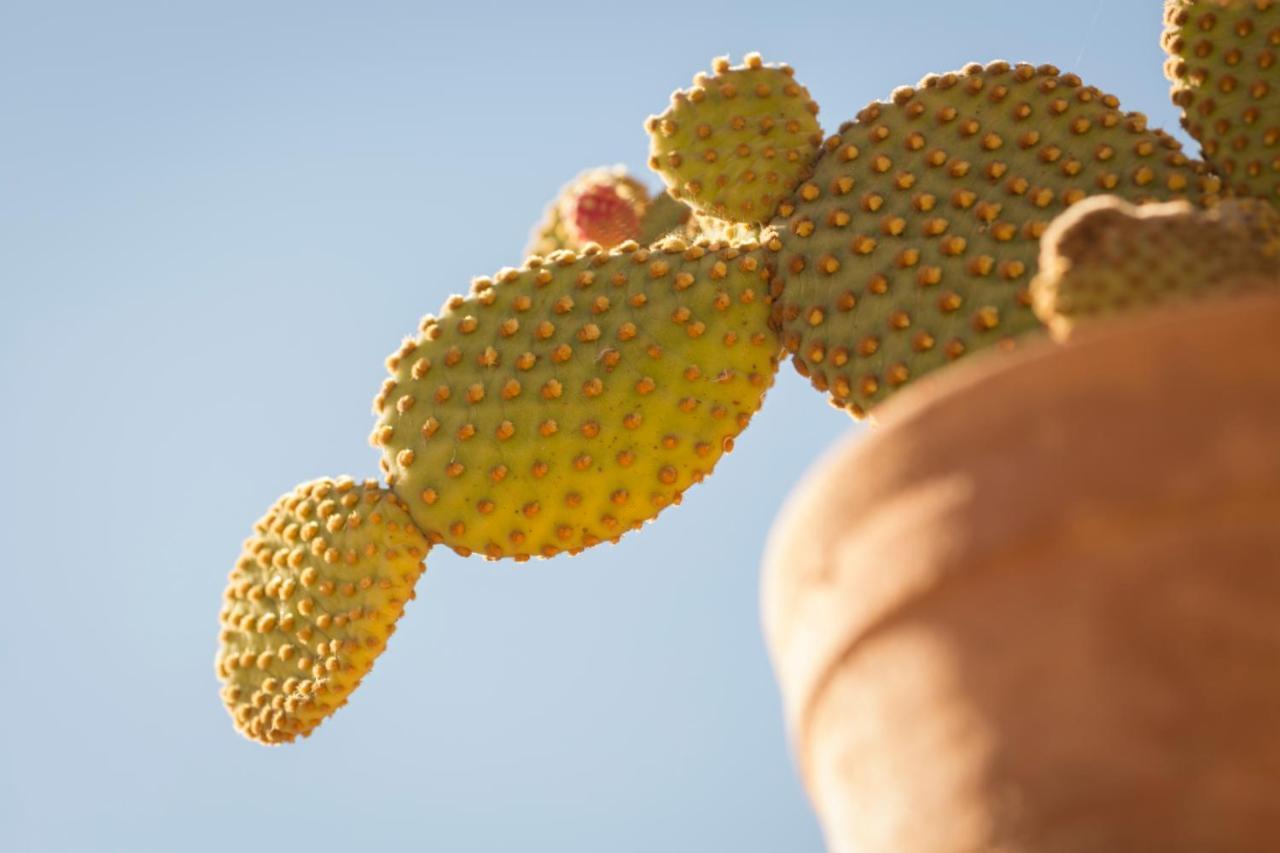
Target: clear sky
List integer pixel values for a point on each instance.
(216, 219)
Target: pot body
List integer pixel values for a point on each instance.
(1038, 609)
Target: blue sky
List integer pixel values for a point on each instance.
(215, 221)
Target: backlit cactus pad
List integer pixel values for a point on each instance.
(738, 141)
(915, 239)
(566, 402)
(311, 602)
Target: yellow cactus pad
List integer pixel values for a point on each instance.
(1223, 64)
(311, 602)
(738, 141)
(1105, 256)
(566, 402)
(915, 239)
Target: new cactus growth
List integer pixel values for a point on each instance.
(600, 214)
(1106, 256)
(607, 207)
(569, 400)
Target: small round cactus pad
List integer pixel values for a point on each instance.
(1223, 64)
(738, 141)
(568, 401)
(1106, 256)
(311, 602)
(915, 239)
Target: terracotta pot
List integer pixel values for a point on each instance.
(1038, 608)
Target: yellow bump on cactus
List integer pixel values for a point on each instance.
(723, 231)
(1106, 256)
(564, 403)
(1222, 63)
(311, 602)
(915, 239)
(738, 141)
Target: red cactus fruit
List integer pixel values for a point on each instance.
(599, 213)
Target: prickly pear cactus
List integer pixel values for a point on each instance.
(311, 602)
(738, 141)
(915, 239)
(1105, 257)
(571, 400)
(1222, 62)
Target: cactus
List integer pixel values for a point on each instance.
(738, 141)
(562, 228)
(601, 214)
(571, 400)
(311, 602)
(666, 217)
(608, 207)
(1106, 256)
(722, 230)
(567, 401)
(1222, 62)
(914, 239)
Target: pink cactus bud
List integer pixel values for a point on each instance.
(600, 214)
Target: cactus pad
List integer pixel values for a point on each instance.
(566, 402)
(1223, 64)
(662, 218)
(915, 239)
(311, 602)
(1106, 256)
(738, 141)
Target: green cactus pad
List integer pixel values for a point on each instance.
(915, 239)
(1105, 256)
(663, 217)
(566, 402)
(1223, 65)
(311, 602)
(738, 141)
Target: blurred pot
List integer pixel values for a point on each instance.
(1038, 609)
